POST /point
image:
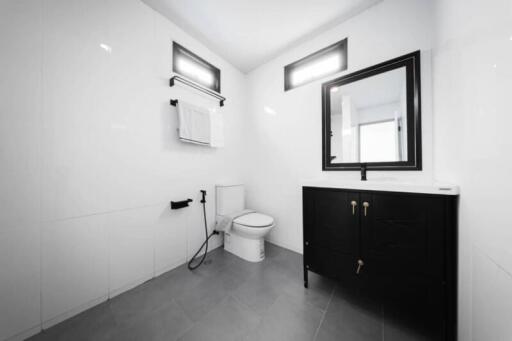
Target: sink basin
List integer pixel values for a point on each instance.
(435, 188)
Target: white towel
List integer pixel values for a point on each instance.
(200, 125)
(194, 123)
(225, 222)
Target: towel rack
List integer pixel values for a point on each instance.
(182, 80)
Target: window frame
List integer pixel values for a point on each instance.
(178, 51)
(342, 45)
(411, 62)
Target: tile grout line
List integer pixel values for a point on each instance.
(323, 315)
(100, 213)
(40, 165)
(193, 323)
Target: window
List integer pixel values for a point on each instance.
(378, 141)
(327, 61)
(195, 68)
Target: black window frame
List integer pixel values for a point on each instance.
(341, 45)
(178, 51)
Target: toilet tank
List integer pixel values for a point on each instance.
(229, 198)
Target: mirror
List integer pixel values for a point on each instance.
(372, 117)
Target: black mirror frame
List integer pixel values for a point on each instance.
(411, 62)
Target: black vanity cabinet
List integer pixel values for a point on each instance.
(398, 249)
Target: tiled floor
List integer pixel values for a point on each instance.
(230, 299)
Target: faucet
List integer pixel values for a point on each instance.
(363, 172)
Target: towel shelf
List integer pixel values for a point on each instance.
(193, 85)
(180, 204)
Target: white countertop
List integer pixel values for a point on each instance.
(442, 189)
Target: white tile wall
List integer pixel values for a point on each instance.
(75, 264)
(74, 127)
(170, 230)
(130, 245)
(472, 82)
(491, 299)
(90, 158)
(20, 99)
(19, 279)
(285, 148)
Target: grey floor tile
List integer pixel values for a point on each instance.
(260, 291)
(176, 282)
(139, 301)
(229, 320)
(397, 332)
(216, 261)
(230, 299)
(198, 300)
(287, 320)
(272, 250)
(350, 317)
(97, 323)
(246, 269)
(167, 323)
(290, 263)
(318, 294)
(408, 324)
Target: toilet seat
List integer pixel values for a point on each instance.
(254, 220)
(252, 226)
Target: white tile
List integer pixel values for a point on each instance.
(74, 264)
(20, 100)
(170, 232)
(130, 243)
(19, 279)
(133, 144)
(492, 300)
(472, 81)
(75, 128)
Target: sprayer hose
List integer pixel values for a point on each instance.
(205, 243)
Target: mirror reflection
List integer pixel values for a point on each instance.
(369, 119)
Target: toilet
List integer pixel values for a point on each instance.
(245, 239)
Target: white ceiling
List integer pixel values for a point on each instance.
(249, 33)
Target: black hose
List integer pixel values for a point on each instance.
(205, 243)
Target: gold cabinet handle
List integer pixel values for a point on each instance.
(360, 264)
(354, 204)
(366, 205)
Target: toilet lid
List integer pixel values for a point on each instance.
(254, 220)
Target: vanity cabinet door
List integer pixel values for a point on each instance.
(331, 231)
(402, 234)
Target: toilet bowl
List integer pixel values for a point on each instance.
(246, 238)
